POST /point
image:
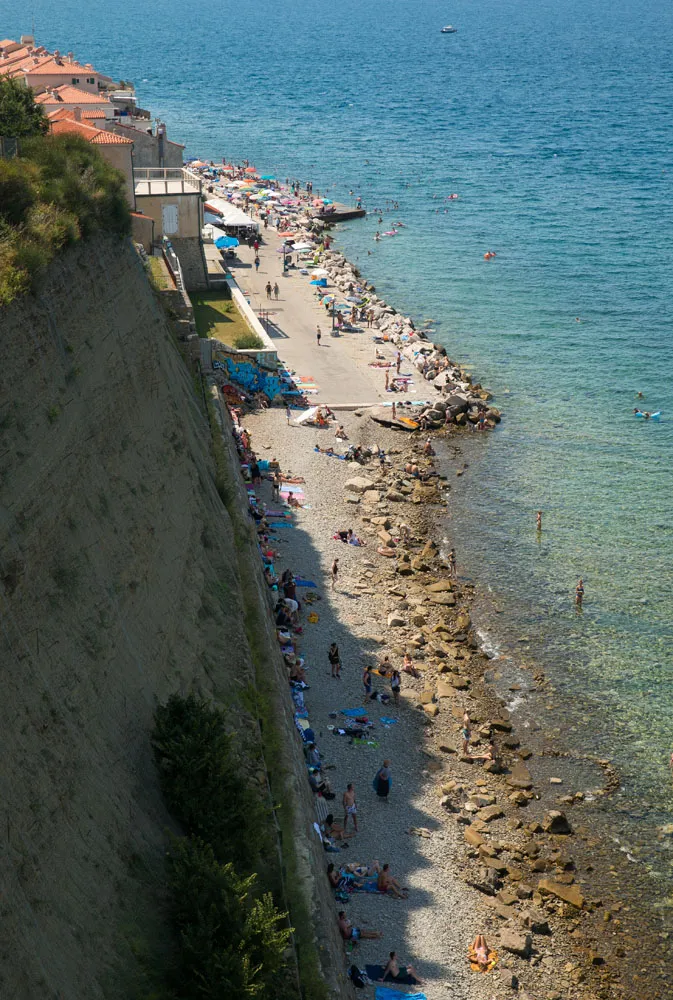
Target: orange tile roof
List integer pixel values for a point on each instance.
(51, 67)
(96, 113)
(7, 41)
(98, 136)
(67, 94)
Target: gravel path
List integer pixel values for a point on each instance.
(433, 928)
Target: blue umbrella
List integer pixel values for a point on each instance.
(321, 282)
(226, 242)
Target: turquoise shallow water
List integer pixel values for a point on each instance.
(552, 123)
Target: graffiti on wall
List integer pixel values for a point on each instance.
(245, 372)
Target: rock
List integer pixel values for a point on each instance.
(556, 822)
(385, 538)
(515, 943)
(395, 496)
(359, 485)
(460, 683)
(568, 893)
(418, 620)
(404, 568)
(445, 749)
(371, 496)
(490, 813)
(494, 904)
(519, 777)
(444, 689)
(431, 710)
(395, 620)
(483, 800)
(383, 522)
(507, 898)
(535, 920)
(446, 600)
(463, 622)
(495, 864)
(440, 587)
(556, 781)
(426, 697)
(419, 565)
(472, 837)
(518, 798)
(352, 499)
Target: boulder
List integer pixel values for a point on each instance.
(473, 837)
(556, 822)
(489, 813)
(515, 943)
(395, 620)
(418, 620)
(359, 484)
(519, 777)
(535, 920)
(440, 587)
(568, 893)
(444, 600)
(395, 496)
(371, 496)
(463, 622)
(431, 710)
(444, 689)
(429, 550)
(385, 538)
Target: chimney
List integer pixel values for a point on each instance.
(27, 40)
(78, 114)
(70, 57)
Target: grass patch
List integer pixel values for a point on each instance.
(158, 274)
(217, 317)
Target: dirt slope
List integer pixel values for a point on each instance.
(117, 587)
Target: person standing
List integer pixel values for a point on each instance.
(466, 734)
(398, 362)
(276, 291)
(268, 289)
(367, 681)
(382, 781)
(256, 263)
(335, 573)
(288, 413)
(350, 808)
(395, 684)
(453, 571)
(538, 520)
(335, 660)
(579, 593)
(318, 335)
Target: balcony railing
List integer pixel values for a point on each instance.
(165, 180)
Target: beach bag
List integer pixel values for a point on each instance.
(358, 978)
(341, 897)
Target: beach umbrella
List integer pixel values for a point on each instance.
(321, 282)
(250, 170)
(226, 242)
(353, 298)
(319, 272)
(327, 298)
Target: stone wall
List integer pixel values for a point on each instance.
(192, 261)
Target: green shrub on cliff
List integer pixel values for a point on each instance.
(229, 940)
(20, 116)
(203, 784)
(58, 191)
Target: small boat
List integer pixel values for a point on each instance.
(449, 30)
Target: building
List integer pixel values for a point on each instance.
(58, 70)
(172, 196)
(117, 150)
(151, 146)
(69, 97)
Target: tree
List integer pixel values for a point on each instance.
(20, 116)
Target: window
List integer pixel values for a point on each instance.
(90, 79)
(75, 80)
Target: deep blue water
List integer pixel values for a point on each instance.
(552, 122)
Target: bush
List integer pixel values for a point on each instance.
(202, 781)
(249, 342)
(20, 116)
(59, 191)
(229, 940)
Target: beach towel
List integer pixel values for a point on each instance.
(386, 721)
(474, 964)
(304, 583)
(369, 884)
(353, 713)
(284, 524)
(313, 618)
(375, 972)
(359, 742)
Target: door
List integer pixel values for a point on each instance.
(169, 219)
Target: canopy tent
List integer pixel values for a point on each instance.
(230, 215)
(212, 232)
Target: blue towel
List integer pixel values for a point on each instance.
(304, 583)
(353, 713)
(282, 524)
(387, 722)
(384, 993)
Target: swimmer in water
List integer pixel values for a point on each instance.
(538, 520)
(636, 410)
(579, 592)
(639, 395)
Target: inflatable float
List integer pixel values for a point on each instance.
(383, 550)
(651, 416)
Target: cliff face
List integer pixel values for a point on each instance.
(118, 585)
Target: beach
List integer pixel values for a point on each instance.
(500, 848)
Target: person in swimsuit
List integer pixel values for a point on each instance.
(579, 592)
(397, 972)
(335, 573)
(350, 808)
(395, 684)
(350, 933)
(386, 883)
(480, 949)
(538, 520)
(466, 734)
(367, 681)
(335, 660)
(382, 780)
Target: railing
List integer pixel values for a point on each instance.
(166, 180)
(172, 262)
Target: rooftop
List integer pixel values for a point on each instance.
(54, 67)
(98, 136)
(165, 180)
(67, 94)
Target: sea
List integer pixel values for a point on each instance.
(552, 123)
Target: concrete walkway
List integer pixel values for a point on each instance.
(339, 365)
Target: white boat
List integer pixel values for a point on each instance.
(449, 30)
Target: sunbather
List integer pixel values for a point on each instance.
(395, 971)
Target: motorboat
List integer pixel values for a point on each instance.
(449, 30)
